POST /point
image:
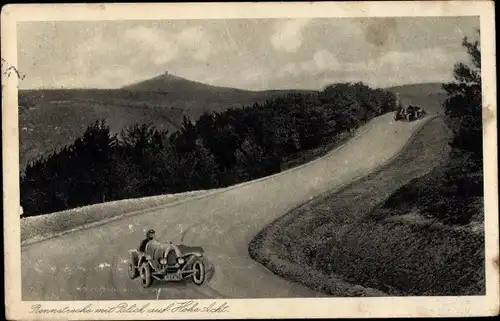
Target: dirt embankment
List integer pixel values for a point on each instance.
(333, 239)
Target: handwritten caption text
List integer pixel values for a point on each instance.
(190, 306)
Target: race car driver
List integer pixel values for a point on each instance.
(150, 235)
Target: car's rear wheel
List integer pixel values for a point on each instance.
(145, 272)
(199, 272)
(133, 272)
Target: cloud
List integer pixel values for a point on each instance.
(108, 63)
(288, 69)
(322, 61)
(101, 56)
(165, 47)
(159, 46)
(387, 69)
(196, 40)
(253, 74)
(135, 54)
(396, 67)
(288, 34)
(325, 59)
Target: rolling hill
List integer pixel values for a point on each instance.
(429, 96)
(50, 119)
(169, 83)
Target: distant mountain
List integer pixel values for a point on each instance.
(168, 83)
(419, 89)
(429, 96)
(198, 97)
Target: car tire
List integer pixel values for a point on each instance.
(199, 272)
(133, 272)
(145, 272)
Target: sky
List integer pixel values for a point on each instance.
(253, 54)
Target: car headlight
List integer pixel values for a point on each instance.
(180, 260)
(163, 261)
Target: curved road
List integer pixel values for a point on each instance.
(91, 264)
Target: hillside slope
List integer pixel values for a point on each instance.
(428, 96)
(169, 83)
(201, 97)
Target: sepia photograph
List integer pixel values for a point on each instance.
(189, 164)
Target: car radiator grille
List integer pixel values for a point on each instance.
(171, 258)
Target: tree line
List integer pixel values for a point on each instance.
(462, 186)
(217, 150)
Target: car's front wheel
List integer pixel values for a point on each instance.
(133, 272)
(199, 272)
(145, 272)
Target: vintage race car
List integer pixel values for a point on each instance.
(167, 262)
(410, 113)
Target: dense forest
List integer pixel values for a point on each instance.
(217, 150)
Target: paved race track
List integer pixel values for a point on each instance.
(91, 264)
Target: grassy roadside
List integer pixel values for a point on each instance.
(339, 236)
(407, 259)
(42, 226)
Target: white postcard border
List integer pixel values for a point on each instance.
(252, 308)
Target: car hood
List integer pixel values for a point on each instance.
(186, 250)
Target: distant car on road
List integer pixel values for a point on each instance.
(410, 113)
(167, 262)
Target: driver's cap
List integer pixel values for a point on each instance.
(151, 231)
